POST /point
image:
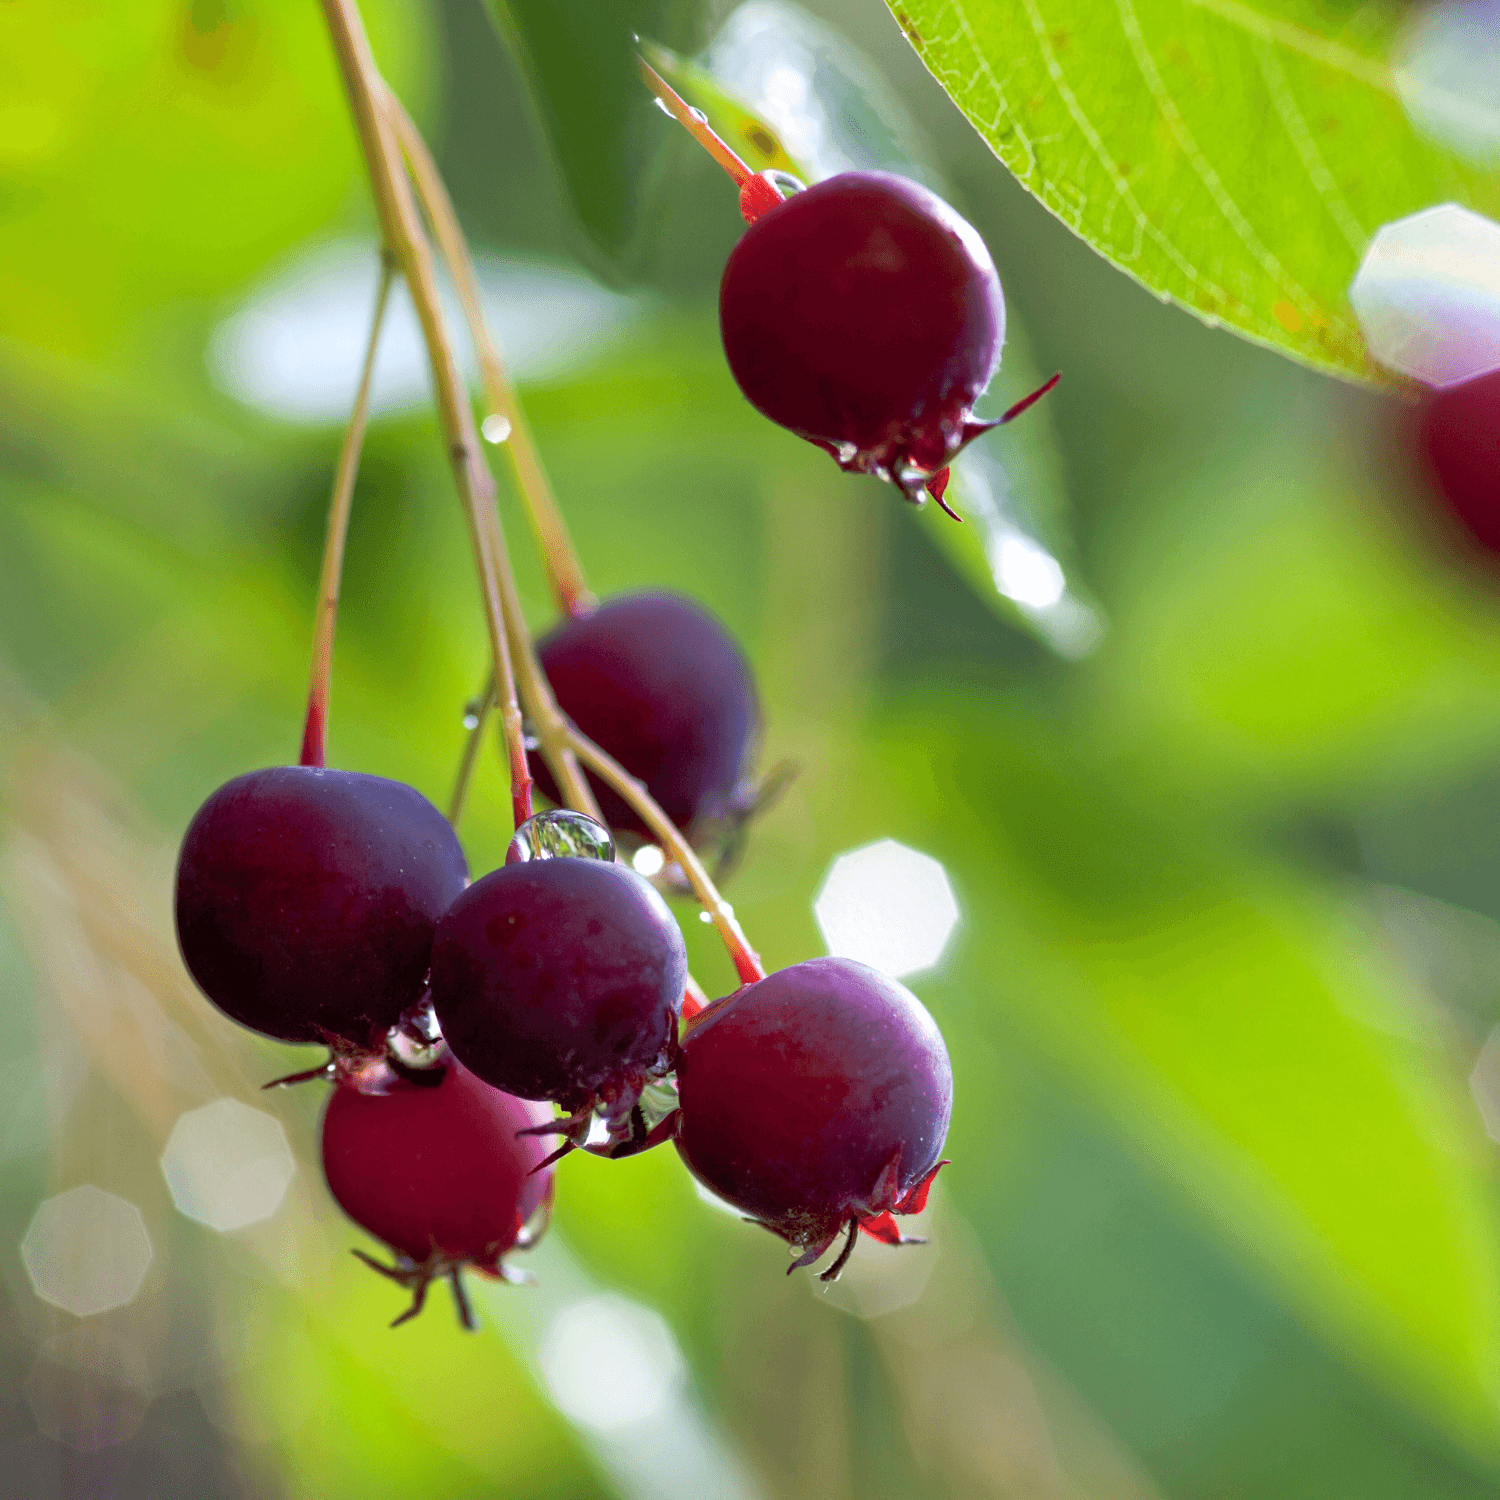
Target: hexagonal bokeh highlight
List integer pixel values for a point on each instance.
(888, 906)
(228, 1165)
(1447, 75)
(1427, 295)
(87, 1251)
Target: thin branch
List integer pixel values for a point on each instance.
(404, 237)
(519, 447)
(746, 960)
(479, 711)
(315, 730)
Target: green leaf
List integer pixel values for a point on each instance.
(1233, 157)
(579, 58)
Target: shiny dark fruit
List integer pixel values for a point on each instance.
(560, 979)
(657, 681)
(1459, 438)
(435, 1168)
(307, 899)
(816, 1101)
(866, 315)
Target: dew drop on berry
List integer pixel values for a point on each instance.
(560, 833)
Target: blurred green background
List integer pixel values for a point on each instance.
(1215, 790)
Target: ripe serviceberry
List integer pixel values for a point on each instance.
(866, 315)
(562, 979)
(440, 1167)
(655, 680)
(1459, 439)
(816, 1101)
(307, 900)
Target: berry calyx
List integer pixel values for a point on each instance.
(561, 979)
(816, 1101)
(657, 682)
(1459, 438)
(866, 315)
(307, 899)
(439, 1166)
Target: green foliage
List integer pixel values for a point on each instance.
(155, 154)
(580, 61)
(1233, 157)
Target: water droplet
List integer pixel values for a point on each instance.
(560, 833)
(699, 116)
(416, 1041)
(531, 742)
(848, 452)
(648, 861)
(495, 427)
(471, 720)
(664, 107)
(703, 916)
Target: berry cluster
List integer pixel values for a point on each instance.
(469, 1023)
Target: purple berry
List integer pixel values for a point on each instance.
(436, 1167)
(1459, 438)
(561, 979)
(816, 1101)
(307, 900)
(656, 681)
(866, 315)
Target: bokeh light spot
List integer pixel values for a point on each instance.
(87, 1251)
(228, 1165)
(1427, 295)
(888, 906)
(610, 1363)
(1448, 75)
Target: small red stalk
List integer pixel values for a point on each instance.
(757, 193)
(315, 731)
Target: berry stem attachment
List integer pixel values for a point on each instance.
(746, 960)
(315, 730)
(408, 245)
(696, 124)
(757, 191)
(513, 433)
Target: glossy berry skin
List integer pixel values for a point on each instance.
(438, 1173)
(1459, 439)
(307, 899)
(866, 315)
(816, 1097)
(560, 979)
(655, 680)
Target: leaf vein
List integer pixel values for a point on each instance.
(1201, 165)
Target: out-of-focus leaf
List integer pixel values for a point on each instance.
(152, 155)
(1236, 1022)
(816, 106)
(1234, 157)
(1277, 624)
(579, 57)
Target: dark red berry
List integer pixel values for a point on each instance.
(307, 900)
(1460, 441)
(656, 681)
(561, 979)
(816, 1100)
(866, 315)
(436, 1168)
